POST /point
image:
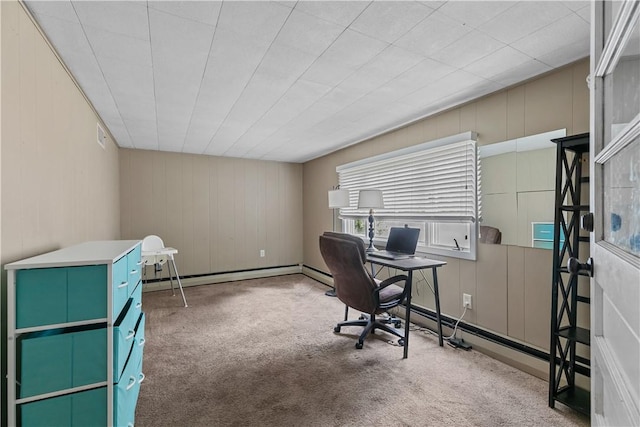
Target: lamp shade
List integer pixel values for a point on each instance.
(338, 198)
(370, 199)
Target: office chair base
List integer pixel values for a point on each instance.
(370, 325)
(397, 323)
(331, 293)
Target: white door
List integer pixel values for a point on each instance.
(615, 199)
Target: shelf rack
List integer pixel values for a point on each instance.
(564, 362)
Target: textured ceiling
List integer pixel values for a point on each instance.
(291, 81)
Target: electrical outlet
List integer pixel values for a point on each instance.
(466, 301)
(261, 253)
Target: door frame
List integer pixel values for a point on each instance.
(612, 398)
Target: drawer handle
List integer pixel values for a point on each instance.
(132, 334)
(129, 424)
(132, 382)
(134, 272)
(545, 232)
(123, 285)
(138, 305)
(140, 262)
(142, 341)
(142, 377)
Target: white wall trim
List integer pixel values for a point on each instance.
(316, 275)
(626, 404)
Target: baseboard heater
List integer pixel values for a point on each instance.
(489, 336)
(322, 273)
(160, 283)
(220, 273)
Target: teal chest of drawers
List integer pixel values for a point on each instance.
(542, 235)
(75, 336)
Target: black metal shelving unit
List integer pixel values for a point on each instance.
(564, 362)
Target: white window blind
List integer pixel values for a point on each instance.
(436, 181)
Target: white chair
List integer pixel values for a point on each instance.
(155, 253)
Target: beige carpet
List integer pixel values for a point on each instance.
(263, 353)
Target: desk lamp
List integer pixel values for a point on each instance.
(338, 198)
(370, 199)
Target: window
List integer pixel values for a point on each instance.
(433, 186)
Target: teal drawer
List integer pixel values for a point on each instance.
(136, 295)
(137, 304)
(124, 333)
(89, 408)
(44, 363)
(87, 293)
(543, 244)
(84, 409)
(138, 346)
(134, 264)
(543, 231)
(120, 281)
(60, 359)
(41, 297)
(55, 411)
(126, 391)
(47, 296)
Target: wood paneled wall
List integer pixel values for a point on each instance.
(218, 212)
(510, 285)
(59, 186)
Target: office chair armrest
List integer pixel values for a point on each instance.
(395, 301)
(391, 281)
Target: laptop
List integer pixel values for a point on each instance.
(401, 244)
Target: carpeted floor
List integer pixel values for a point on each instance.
(263, 353)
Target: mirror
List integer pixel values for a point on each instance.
(518, 189)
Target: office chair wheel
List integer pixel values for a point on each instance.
(336, 329)
(362, 317)
(359, 345)
(401, 342)
(397, 324)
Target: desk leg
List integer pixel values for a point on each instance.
(436, 294)
(407, 314)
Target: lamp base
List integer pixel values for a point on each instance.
(371, 248)
(331, 293)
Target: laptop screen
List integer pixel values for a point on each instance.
(403, 240)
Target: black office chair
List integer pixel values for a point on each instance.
(345, 256)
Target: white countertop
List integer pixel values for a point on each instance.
(87, 253)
